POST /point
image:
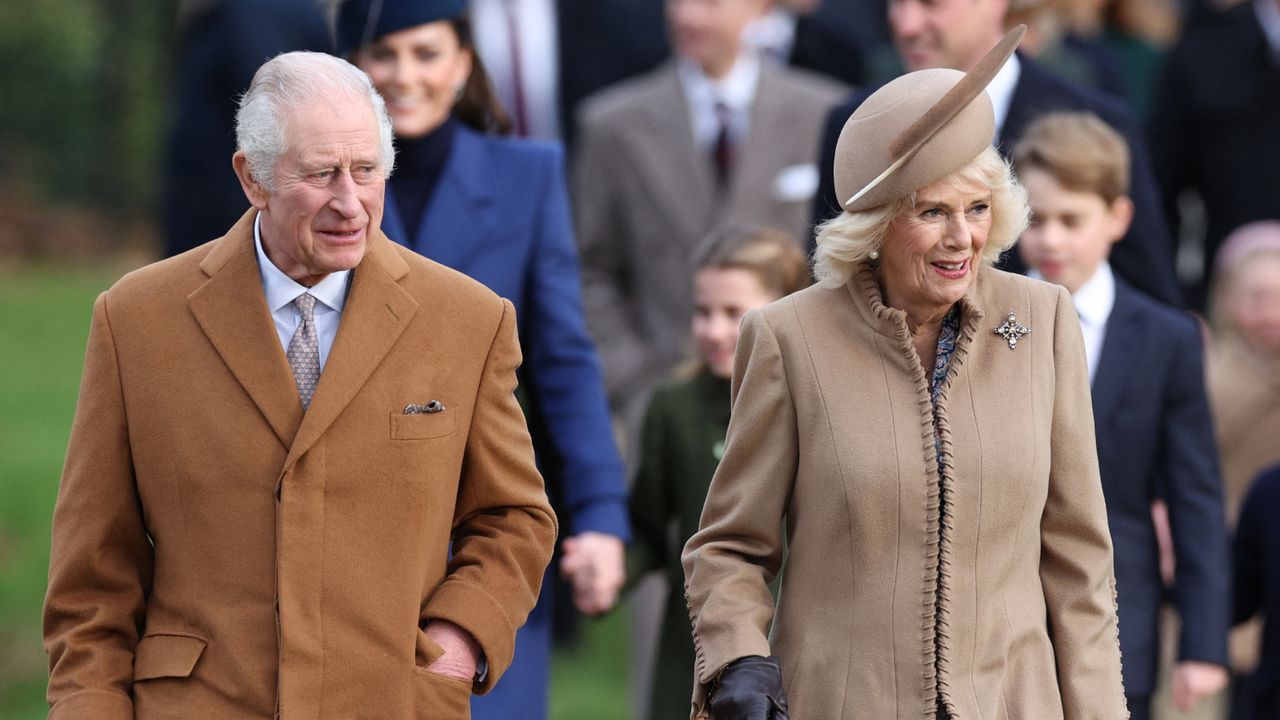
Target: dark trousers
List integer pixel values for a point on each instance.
(1139, 707)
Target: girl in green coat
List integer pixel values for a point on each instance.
(684, 428)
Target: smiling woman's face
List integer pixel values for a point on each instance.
(418, 71)
(932, 251)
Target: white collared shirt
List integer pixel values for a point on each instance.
(1094, 302)
(538, 35)
(1001, 89)
(1269, 18)
(737, 90)
(281, 290)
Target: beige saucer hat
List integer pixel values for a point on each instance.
(917, 129)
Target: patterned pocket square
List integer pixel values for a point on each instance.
(434, 406)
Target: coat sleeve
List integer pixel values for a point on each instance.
(564, 372)
(1193, 490)
(503, 526)
(652, 508)
(100, 566)
(738, 550)
(602, 237)
(1076, 566)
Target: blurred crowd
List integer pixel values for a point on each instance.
(636, 175)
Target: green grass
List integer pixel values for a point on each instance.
(44, 322)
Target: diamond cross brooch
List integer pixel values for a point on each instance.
(1012, 331)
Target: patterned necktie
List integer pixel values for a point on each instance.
(304, 349)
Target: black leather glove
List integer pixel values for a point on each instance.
(750, 688)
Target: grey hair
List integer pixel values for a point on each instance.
(850, 238)
(281, 84)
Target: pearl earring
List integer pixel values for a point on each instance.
(875, 255)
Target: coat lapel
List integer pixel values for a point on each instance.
(377, 312)
(462, 199)
(1123, 333)
(762, 155)
(666, 153)
(231, 308)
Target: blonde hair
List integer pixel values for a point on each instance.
(1080, 151)
(773, 256)
(849, 239)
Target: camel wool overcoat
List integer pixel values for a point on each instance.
(218, 553)
(993, 590)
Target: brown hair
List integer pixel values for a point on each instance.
(478, 108)
(773, 256)
(1081, 152)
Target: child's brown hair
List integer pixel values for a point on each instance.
(1080, 151)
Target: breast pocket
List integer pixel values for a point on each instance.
(421, 426)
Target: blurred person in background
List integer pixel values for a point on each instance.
(1214, 132)
(799, 34)
(298, 482)
(715, 136)
(545, 56)
(955, 34)
(1154, 432)
(1244, 392)
(682, 437)
(1257, 595)
(1244, 357)
(911, 447)
(220, 45)
(496, 209)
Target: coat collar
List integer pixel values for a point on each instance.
(465, 190)
(231, 309)
(864, 290)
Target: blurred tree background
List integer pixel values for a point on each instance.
(84, 86)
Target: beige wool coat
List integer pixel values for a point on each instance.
(215, 548)
(832, 434)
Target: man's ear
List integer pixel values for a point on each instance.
(253, 190)
(1121, 212)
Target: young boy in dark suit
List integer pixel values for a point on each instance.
(1154, 433)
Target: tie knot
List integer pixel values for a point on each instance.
(306, 304)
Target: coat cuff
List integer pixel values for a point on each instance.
(96, 704)
(484, 618)
(608, 516)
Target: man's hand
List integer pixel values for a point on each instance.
(1194, 681)
(461, 652)
(593, 563)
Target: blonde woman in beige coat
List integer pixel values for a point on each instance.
(916, 432)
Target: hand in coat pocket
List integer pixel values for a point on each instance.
(459, 654)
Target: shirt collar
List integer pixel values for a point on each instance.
(1095, 299)
(1002, 87)
(736, 89)
(281, 289)
(1269, 18)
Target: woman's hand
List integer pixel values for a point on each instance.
(750, 688)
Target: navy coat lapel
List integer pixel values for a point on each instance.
(1121, 341)
(462, 199)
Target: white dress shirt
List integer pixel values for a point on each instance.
(1001, 89)
(331, 292)
(538, 36)
(1094, 302)
(737, 90)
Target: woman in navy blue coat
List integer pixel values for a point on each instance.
(496, 209)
